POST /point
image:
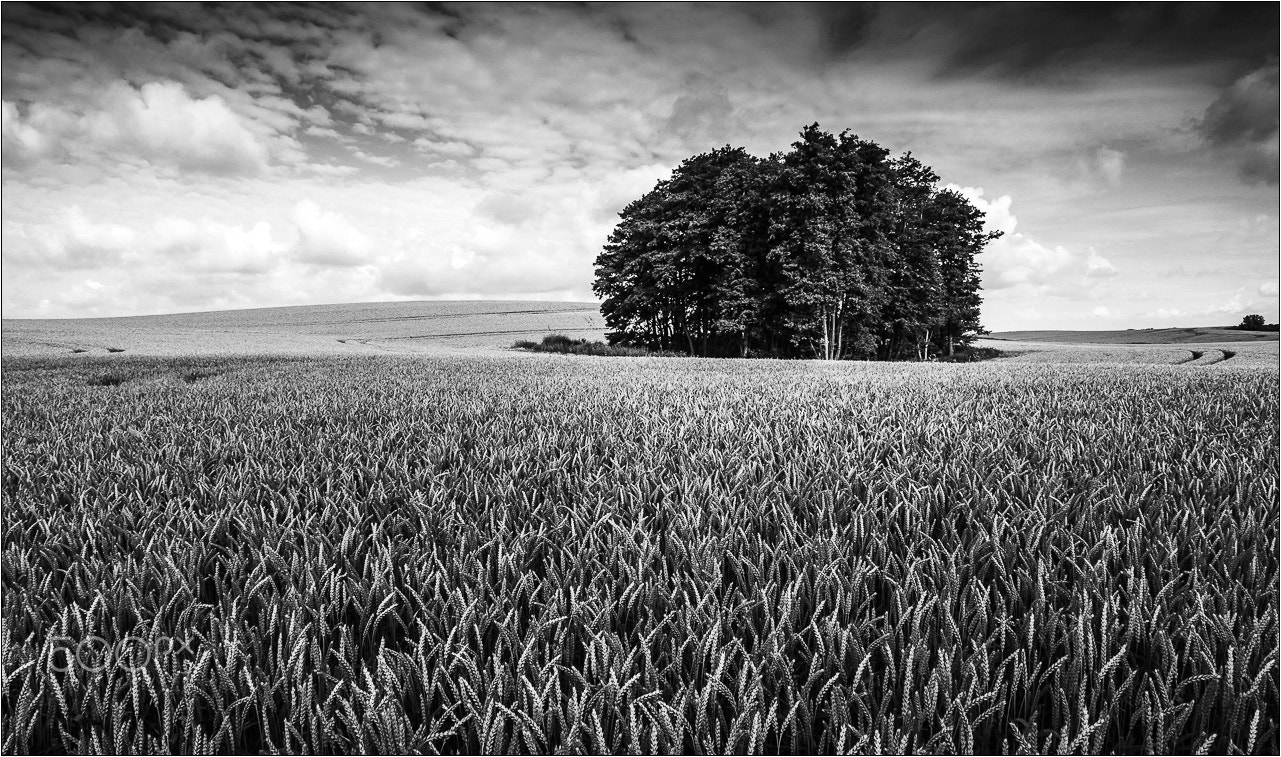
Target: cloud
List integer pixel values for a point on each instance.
(210, 246)
(1063, 42)
(1236, 305)
(544, 254)
(997, 215)
(1110, 164)
(175, 263)
(159, 123)
(85, 242)
(846, 25)
(72, 241)
(1018, 260)
(1246, 110)
(75, 241)
(1214, 308)
(507, 208)
(22, 143)
(1242, 124)
(703, 116)
(327, 238)
(1097, 266)
(446, 150)
(1268, 289)
(1094, 170)
(534, 237)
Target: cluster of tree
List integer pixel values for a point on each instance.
(833, 250)
(1255, 322)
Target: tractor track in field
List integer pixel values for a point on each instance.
(1208, 357)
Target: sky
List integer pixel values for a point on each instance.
(174, 158)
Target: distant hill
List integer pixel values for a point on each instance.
(1199, 334)
(354, 328)
(464, 326)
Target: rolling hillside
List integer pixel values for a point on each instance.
(452, 327)
(1139, 336)
(398, 327)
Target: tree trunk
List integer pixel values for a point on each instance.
(827, 352)
(837, 328)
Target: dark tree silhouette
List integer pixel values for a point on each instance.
(831, 250)
(1252, 322)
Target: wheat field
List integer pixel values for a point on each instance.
(531, 554)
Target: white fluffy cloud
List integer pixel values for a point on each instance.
(1268, 289)
(162, 123)
(327, 238)
(72, 241)
(158, 123)
(1017, 259)
(1097, 266)
(77, 264)
(207, 245)
(1235, 305)
(532, 237)
(22, 143)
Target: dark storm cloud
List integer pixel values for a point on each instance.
(278, 39)
(703, 113)
(1246, 111)
(1011, 40)
(1047, 41)
(846, 25)
(1243, 123)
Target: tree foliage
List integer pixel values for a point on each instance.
(1252, 322)
(832, 250)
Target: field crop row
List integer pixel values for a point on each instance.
(561, 554)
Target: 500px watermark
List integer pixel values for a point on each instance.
(95, 654)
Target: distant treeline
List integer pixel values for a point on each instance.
(832, 250)
(1255, 322)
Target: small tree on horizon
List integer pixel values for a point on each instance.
(1252, 322)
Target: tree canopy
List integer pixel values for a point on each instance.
(832, 250)
(1252, 322)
